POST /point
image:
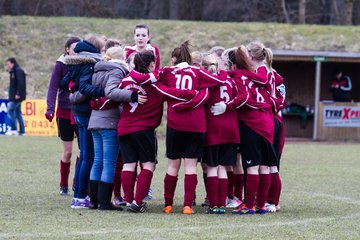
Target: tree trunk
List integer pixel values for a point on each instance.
(283, 5)
(348, 11)
(336, 10)
(302, 11)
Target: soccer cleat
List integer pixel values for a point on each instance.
(168, 209)
(233, 203)
(270, 207)
(119, 201)
(221, 210)
(260, 210)
(188, 210)
(137, 208)
(149, 196)
(205, 203)
(212, 210)
(242, 209)
(64, 191)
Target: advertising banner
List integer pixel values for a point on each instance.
(341, 116)
(34, 118)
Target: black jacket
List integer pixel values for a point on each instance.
(17, 84)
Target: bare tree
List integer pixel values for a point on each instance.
(348, 11)
(283, 5)
(336, 10)
(302, 11)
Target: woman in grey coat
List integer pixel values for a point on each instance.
(103, 125)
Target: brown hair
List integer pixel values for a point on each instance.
(182, 53)
(97, 41)
(240, 58)
(142, 61)
(112, 43)
(70, 41)
(143, 26)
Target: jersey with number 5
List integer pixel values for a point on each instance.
(223, 128)
(184, 76)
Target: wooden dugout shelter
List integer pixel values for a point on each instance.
(307, 76)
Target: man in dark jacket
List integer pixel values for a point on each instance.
(17, 94)
(341, 87)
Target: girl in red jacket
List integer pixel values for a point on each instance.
(142, 43)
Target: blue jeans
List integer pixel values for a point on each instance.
(14, 114)
(106, 146)
(83, 168)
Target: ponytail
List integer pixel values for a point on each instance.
(268, 57)
(142, 61)
(182, 53)
(240, 59)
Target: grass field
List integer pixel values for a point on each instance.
(320, 200)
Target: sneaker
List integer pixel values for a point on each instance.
(242, 209)
(212, 210)
(261, 210)
(221, 210)
(233, 203)
(137, 208)
(82, 203)
(188, 210)
(119, 201)
(149, 196)
(72, 203)
(64, 191)
(270, 207)
(12, 133)
(205, 203)
(168, 209)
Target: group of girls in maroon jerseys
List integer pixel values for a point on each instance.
(223, 110)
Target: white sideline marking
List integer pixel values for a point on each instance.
(326, 195)
(151, 230)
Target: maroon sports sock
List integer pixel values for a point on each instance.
(230, 190)
(223, 187)
(252, 184)
(190, 182)
(263, 189)
(212, 189)
(278, 190)
(238, 185)
(117, 177)
(128, 184)
(142, 185)
(64, 173)
(169, 189)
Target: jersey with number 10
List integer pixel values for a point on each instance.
(184, 76)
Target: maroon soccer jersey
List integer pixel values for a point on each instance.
(257, 112)
(184, 76)
(137, 117)
(149, 47)
(221, 128)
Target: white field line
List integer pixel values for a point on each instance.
(181, 229)
(330, 196)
